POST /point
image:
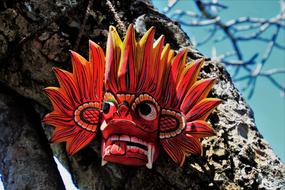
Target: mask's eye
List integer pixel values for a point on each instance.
(108, 108)
(147, 111)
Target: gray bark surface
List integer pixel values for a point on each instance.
(36, 36)
(26, 160)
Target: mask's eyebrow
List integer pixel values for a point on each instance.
(129, 98)
(143, 98)
(109, 97)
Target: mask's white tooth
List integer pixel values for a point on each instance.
(103, 162)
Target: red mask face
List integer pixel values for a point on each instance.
(130, 129)
(140, 97)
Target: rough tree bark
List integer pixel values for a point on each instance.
(26, 159)
(36, 35)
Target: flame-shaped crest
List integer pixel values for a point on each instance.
(142, 97)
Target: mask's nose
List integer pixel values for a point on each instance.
(124, 109)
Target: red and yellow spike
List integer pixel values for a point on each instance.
(127, 78)
(196, 93)
(199, 129)
(202, 109)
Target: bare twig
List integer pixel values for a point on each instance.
(82, 28)
(116, 16)
(237, 31)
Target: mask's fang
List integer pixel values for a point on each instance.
(103, 162)
(150, 155)
(149, 165)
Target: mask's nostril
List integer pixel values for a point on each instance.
(123, 108)
(126, 103)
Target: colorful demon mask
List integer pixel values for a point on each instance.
(141, 97)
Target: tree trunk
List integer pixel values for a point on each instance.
(26, 159)
(36, 35)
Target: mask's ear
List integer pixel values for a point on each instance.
(180, 138)
(174, 139)
(181, 130)
(77, 102)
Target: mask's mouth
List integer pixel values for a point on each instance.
(128, 150)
